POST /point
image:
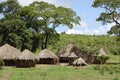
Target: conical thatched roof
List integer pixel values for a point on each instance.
(8, 52)
(101, 52)
(72, 55)
(27, 55)
(47, 54)
(79, 61)
(66, 51)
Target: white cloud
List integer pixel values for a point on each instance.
(82, 24)
(97, 29)
(73, 31)
(25, 2)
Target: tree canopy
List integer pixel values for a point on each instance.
(44, 18)
(34, 25)
(111, 13)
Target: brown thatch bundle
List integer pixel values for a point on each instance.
(66, 51)
(72, 57)
(79, 62)
(27, 55)
(101, 52)
(47, 57)
(9, 54)
(26, 59)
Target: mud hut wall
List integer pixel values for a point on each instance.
(10, 62)
(47, 61)
(64, 59)
(25, 63)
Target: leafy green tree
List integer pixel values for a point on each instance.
(111, 14)
(9, 7)
(33, 25)
(29, 15)
(13, 29)
(52, 17)
(115, 29)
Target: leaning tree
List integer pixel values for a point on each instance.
(110, 15)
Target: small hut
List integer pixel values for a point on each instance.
(9, 54)
(72, 57)
(101, 57)
(26, 59)
(79, 62)
(47, 57)
(101, 52)
(66, 51)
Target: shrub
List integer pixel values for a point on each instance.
(102, 70)
(116, 78)
(96, 67)
(101, 59)
(1, 64)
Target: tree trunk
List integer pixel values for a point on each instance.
(46, 40)
(42, 46)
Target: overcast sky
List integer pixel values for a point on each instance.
(83, 8)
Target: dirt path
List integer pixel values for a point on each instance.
(6, 76)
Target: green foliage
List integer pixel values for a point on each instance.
(54, 72)
(111, 13)
(50, 18)
(116, 78)
(34, 25)
(101, 59)
(1, 64)
(111, 70)
(9, 7)
(87, 43)
(115, 30)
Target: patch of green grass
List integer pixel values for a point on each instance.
(2, 71)
(114, 58)
(53, 72)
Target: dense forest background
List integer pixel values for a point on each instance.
(87, 43)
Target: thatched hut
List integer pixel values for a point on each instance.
(79, 62)
(72, 57)
(101, 57)
(66, 51)
(101, 52)
(9, 54)
(47, 57)
(26, 59)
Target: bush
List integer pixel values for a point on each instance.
(101, 59)
(102, 70)
(1, 64)
(96, 67)
(116, 78)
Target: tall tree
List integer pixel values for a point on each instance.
(12, 28)
(52, 17)
(111, 14)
